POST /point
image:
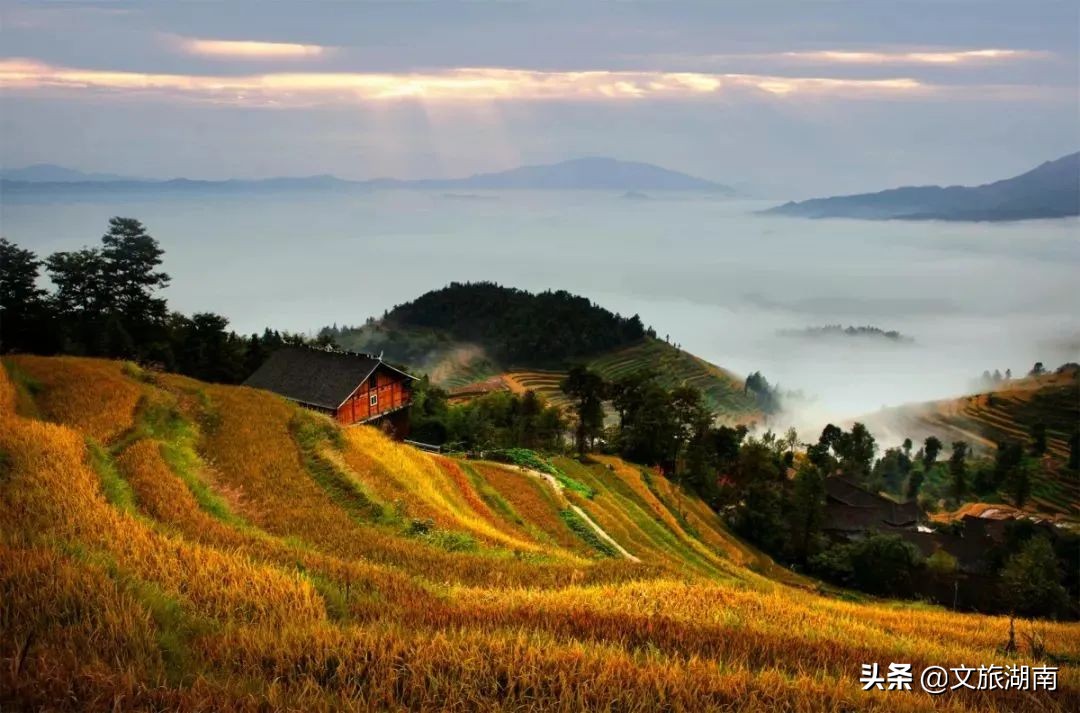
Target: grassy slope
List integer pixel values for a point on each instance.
(1007, 413)
(174, 544)
(459, 366)
(723, 391)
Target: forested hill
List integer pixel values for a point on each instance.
(512, 325)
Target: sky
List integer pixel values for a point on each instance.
(783, 99)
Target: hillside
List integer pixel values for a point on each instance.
(1051, 190)
(1005, 413)
(473, 338)
(722, 391)
(171, 544)
(466, 369)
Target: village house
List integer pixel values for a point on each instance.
(852, 511)
(352, 388)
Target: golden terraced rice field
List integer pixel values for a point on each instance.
(174, 545)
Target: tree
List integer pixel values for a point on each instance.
(931, 448)
(690, 417)
(756, 462)
(941, 563)
(1038, 369)
(879, 564)
(206, 349)
(855, 450)
(1031, 580)
(915, 481)
(1038, 439)
(647, 432)
(80, 302)
(133, 312)
(1018, 480)
(628, 393)
(807, 512)
(588, 390)
(79, 279)
(889, 470)
(1008, 456)
(21, 301)
(958, 469)
(885, 564)
(768, 396)
(820, 453)
(130, 272)
(760, 515)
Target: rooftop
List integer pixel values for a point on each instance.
(323, 378)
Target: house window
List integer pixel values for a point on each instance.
(374, 400)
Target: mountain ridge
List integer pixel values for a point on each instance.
(54, 173)
(1050, 190)
(588, 173)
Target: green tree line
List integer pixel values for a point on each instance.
(106, 302)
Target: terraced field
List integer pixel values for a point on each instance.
(723, 391)
(1008, 413)
(174, 545)
(544, 383)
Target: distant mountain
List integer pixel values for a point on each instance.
(51, 173)
(134, 188)
(1050, 191)
(577, 174)
(586, 174)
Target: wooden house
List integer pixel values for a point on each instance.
(852, 511)
(351, 387)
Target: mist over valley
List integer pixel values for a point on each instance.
(710, 274)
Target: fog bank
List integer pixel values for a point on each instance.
(711, 274)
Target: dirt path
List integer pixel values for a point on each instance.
(602, 534)
(558, 488)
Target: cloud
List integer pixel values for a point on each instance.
(911, 57)
(914, 57)
(248, 49)
(460, 85)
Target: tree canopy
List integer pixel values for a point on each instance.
(520, 327)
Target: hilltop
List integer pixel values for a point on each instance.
(478, 337)
(1006, 412)
(173, 544)
(1051, 190)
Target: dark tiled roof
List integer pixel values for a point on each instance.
(850, 507)
(315, 377)
(845, 518)
(972, 546)
(849, 493)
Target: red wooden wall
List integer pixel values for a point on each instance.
(392, 391)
